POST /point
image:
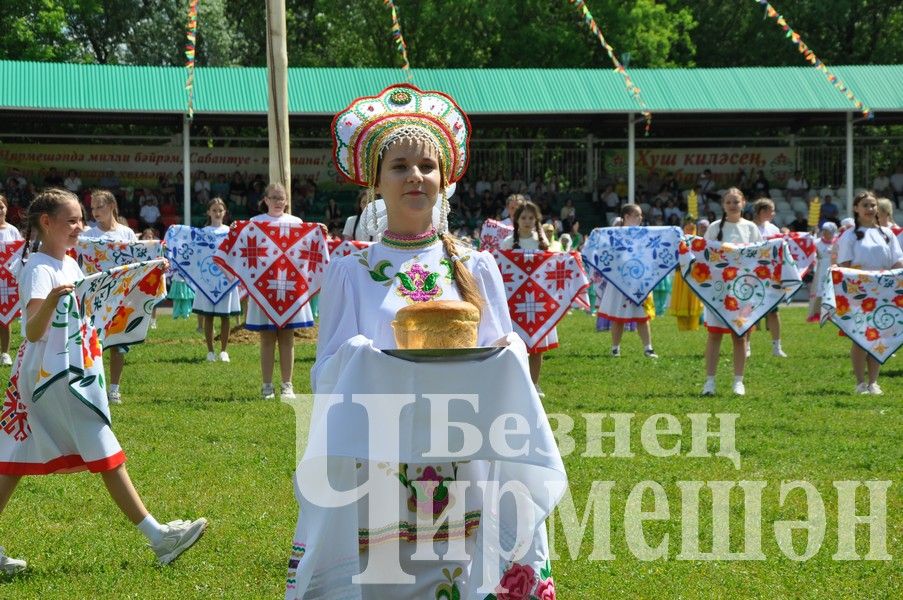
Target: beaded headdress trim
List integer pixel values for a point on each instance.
(368, 125)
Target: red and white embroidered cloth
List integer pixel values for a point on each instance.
(802, 249)
(492, 234)
(541, 286)
(280, 264)
(10, 254)
(339, 247)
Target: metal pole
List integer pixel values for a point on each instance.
(186, 170)
(849, 164)
(631, 159)
(277, 109)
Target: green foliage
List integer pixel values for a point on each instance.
(453, 33)
(839, 31)
(33, 30)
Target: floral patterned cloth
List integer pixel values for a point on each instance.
(541, 286)
(120, 301)
(280, 263)
(867, 306)
(96, 255)
(741, 283)
(492, 234)
(10, 255)
(633, 259)
(108, 308)
(802, 249)
(190, 252)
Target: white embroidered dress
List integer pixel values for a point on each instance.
(361, 294)
(62, 433)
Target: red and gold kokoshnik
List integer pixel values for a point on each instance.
(361, 131)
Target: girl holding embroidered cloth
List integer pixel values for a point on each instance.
(51, 429)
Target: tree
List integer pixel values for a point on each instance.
(33, 30)
(838, 31)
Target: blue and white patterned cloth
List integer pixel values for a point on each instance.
(190, 252)
(633, 259)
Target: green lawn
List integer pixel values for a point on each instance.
(201, 442)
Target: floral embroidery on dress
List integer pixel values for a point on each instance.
(449, 590)
(428, 492)
(418, 284)
(415, 284)
(519, 582)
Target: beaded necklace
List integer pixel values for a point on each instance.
(410, 242)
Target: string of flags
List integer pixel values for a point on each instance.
(632, 88)
(400, 44)
(191, 36)
(810, 56)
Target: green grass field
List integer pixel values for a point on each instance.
(201, 442)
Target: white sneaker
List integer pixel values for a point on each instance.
(10, 565)
(5, 359)
(211, 357)
(739, 388)
(616, 352)
(708, 389)
(861, 388)
(650, 354)
(224, 356)
(875, 389)
(287, 392)
(114, 397)
(267, 391)
(178, 536)
(778, 352)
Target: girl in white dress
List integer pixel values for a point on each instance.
(824, 249)
(62, 433)
(529, 235)
(275, 201)
(869, 247)
(409, 160)
(8, 233)
(763, 213)
(620, 310)
(228, 306)
(732, 228)
(105, 211)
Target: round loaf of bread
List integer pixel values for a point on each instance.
(438, 324)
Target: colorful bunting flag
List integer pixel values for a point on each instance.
(631, 86)
(812, 59)
(400, 44)
(191, 36)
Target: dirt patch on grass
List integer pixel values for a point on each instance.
(240, 335)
